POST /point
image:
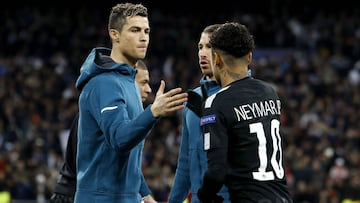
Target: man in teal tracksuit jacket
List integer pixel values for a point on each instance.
(192, 164)
(109, 154)
(112, 123)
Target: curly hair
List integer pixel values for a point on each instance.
(233, 38)
(119, 12)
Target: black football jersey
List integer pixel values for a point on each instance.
(242, 122)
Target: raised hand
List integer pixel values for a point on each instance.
(167, 103)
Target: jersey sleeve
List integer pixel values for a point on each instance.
(213, 127)
(215, 144)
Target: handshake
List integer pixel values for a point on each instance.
(168, 103)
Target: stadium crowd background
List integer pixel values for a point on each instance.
(310, 54)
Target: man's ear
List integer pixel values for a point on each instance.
(218, 60)
(114, 35)
(250, 57)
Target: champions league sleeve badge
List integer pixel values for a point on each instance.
(208, 119)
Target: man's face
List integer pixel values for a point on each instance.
(143, 80)
(204, 53)
(134, 37)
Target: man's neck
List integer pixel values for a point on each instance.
(231, 76)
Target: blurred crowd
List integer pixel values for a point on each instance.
(312, 58)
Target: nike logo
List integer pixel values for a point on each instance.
(109, 108)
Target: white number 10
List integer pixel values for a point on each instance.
(262, 174)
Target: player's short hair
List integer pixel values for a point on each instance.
(211, 28)
(233, 38)
(119, 12)
(140, 64)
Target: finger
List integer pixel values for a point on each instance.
(179, 96)
(177, 102)
(161, 88)
(173, 92)
(175, 108)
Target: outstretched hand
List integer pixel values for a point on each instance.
(167, 103)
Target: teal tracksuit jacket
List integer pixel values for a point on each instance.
(111, 132)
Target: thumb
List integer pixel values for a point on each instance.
(161, 88)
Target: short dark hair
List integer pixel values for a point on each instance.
(140, 64)
(119, 12)
(233, 38)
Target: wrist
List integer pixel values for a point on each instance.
(153, 112)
